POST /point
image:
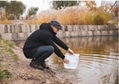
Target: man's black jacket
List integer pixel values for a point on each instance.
(43, 36)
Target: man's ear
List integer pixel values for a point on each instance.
(51, 26)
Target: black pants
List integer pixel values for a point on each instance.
(42, 53)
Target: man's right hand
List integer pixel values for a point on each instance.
(66, 60)
(70, 51)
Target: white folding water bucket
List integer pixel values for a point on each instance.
(73, 61)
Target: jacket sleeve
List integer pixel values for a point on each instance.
(57, 51)
(60, 43)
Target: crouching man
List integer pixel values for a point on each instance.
(41, 44)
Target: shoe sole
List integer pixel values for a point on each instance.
(36, 67)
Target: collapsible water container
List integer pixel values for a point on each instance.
(73, 61)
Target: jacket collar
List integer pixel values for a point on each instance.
(47, 27)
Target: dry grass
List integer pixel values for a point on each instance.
(5, 22)
(6, 47)
(73, 15)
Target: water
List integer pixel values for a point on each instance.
(98, 64)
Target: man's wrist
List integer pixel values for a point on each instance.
(63, 57)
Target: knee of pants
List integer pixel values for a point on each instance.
(50, 49)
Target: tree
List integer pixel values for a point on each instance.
(3, 4)
(91, 5)
(15, 8)
(115, 8)
(32, 11)
(60, 4)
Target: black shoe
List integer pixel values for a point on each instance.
(35, 65)
(45, 66)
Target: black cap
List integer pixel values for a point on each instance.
(56, 24)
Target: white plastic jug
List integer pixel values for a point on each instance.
(73, 61)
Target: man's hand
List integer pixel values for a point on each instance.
(70, 51)
(66, 60)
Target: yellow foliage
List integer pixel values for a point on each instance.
(5, 22)
(73, 16)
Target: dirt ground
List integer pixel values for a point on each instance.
(22, 73)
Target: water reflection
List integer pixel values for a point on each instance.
(98, 60)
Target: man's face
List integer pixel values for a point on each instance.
(54, 29)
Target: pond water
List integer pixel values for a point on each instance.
(98, 64)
